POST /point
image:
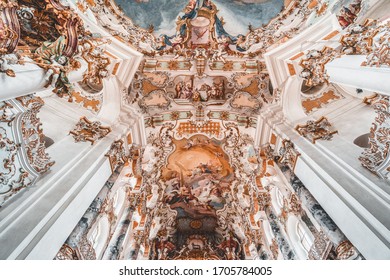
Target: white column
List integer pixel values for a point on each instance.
(347, 71)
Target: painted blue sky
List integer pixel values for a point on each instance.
(238, 14)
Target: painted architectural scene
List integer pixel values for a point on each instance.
(200, 89)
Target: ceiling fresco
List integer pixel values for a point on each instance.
(238, 14)
(199, 191)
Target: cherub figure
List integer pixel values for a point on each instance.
(50, 56)
(54, 70)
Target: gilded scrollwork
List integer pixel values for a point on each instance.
(9, 27)
(380, 55)
(92, 52)
(66, 253)
(33, 136)
(8, 169)
(6, 113)
(359, 38)
(91, 131)
(346, 251)
(24, 157)
(315, 130)
(86, 250)
(13, 176)
(313, 66)
(288, 154)
(264, 200)
(321, 247)
(295, 205)
(376, 158)
(117, 154)
(372, 38)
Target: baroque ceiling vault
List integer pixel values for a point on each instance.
(200, 90)
(237, 15)
(203, 179)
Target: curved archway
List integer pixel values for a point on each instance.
(99, 235)
(119, 201)
(300, 236)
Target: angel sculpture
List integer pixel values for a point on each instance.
(50, 56)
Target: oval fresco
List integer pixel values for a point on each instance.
(237, 14)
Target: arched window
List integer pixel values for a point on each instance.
(279, 198)
(94, 235)
(300, 236)
(303, 237)
(119, 201)
(99, 235)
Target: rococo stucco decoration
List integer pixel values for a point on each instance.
(315, 130)
(376, 158)
(117, 154)
(86, 130)
(288, 155)
(50, 35)
(196, 206)
(22, 146)
(313, 66)
(191, 108)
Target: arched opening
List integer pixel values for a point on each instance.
(48, 142)
(300, 236)
(99, 236)
(312, 89)
(362, 141)
(119, 201)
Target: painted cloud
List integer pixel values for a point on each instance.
(238, 14)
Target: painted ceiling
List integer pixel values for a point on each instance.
(237, 14)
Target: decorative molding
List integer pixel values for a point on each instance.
(315, 130)
(51, 35)
(295, 205)
(316, 102)
(264, 200)
(9, 27)
(66, 253)
(98, 62)
(376, 158)
(313, 66)
(90, 101)
(288, 154)
(117, 154)
(380, 55)
(13, 177)
(370, 38)
(22, 145)
(86, 250)
(346, 251)
(209, 128)
(87, 130)
(371, 99)
(321, 247)
(6, 114)
(34, 139)
(359, 38)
